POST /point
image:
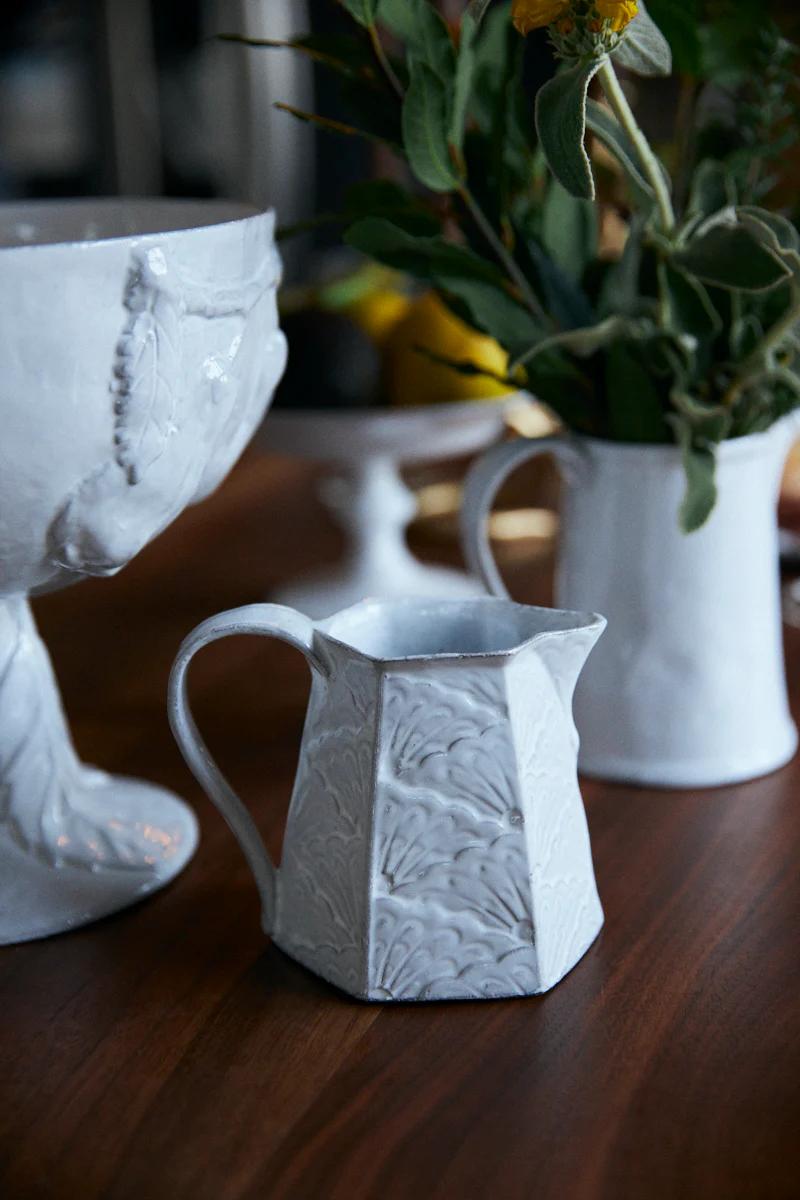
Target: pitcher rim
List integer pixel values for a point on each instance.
(585, 622)
(729, 448)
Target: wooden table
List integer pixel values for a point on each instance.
(170, 1053)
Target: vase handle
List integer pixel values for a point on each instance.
(269, 620)
(482, 484)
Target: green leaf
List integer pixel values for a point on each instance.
(424, 32)
(363, 11)
(493, 50)
(457, 271)
(620, 292)
(561, 125)
(563, 297)
(569, 230)
(605, 127)
(691, 310)
(492, 310)
(713, 188)
(776, 233)
(643, 48)
(679, 21)
(729, 256)
(425, 126)
(699, 464)
(462, 88)
(499, 151)
(561, 384)
(634, 404)
(422, 257)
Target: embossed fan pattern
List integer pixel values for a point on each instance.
(437, 845)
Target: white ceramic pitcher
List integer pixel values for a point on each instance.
(436, 844)
(687, 688)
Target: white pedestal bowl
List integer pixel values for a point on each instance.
(139, 348)
(364, 491)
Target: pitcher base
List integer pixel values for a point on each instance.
(709, 773)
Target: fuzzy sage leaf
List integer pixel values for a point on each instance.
(462, 87)
(456, 270)
(773, 231)
(569, 231)
(420, 26)
(699, 464)
(730, 256)
(689, 307)
(561, 126)
(426, 122)
(609, 131)
(643, 48)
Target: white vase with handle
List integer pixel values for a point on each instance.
(687, 688)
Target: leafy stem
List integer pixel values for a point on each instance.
(504, 257)
(383, 60)
(650, 165)
(753, 365)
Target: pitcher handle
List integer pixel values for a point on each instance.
(481, 486)
(269, 620)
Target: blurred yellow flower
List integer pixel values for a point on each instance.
(619, 12)
(534, 14)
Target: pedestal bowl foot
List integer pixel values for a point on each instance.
(112, 842)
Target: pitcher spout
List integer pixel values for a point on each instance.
(563, 652)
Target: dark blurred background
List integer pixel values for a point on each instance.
(140, 97)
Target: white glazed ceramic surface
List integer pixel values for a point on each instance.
(139, 346)
(436, 845)
(687, 688)
(368, 498)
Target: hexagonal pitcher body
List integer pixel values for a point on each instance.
(436, 845)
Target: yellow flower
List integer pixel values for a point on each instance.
(534, 14)
(619, 12)
(590, 14)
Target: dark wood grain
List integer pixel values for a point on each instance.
(169, 1052)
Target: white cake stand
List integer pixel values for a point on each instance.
(365, 492)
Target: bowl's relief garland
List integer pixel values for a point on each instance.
(101, 526)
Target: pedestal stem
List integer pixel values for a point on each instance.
(372, 504)
(75, 843)
(38, 764)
